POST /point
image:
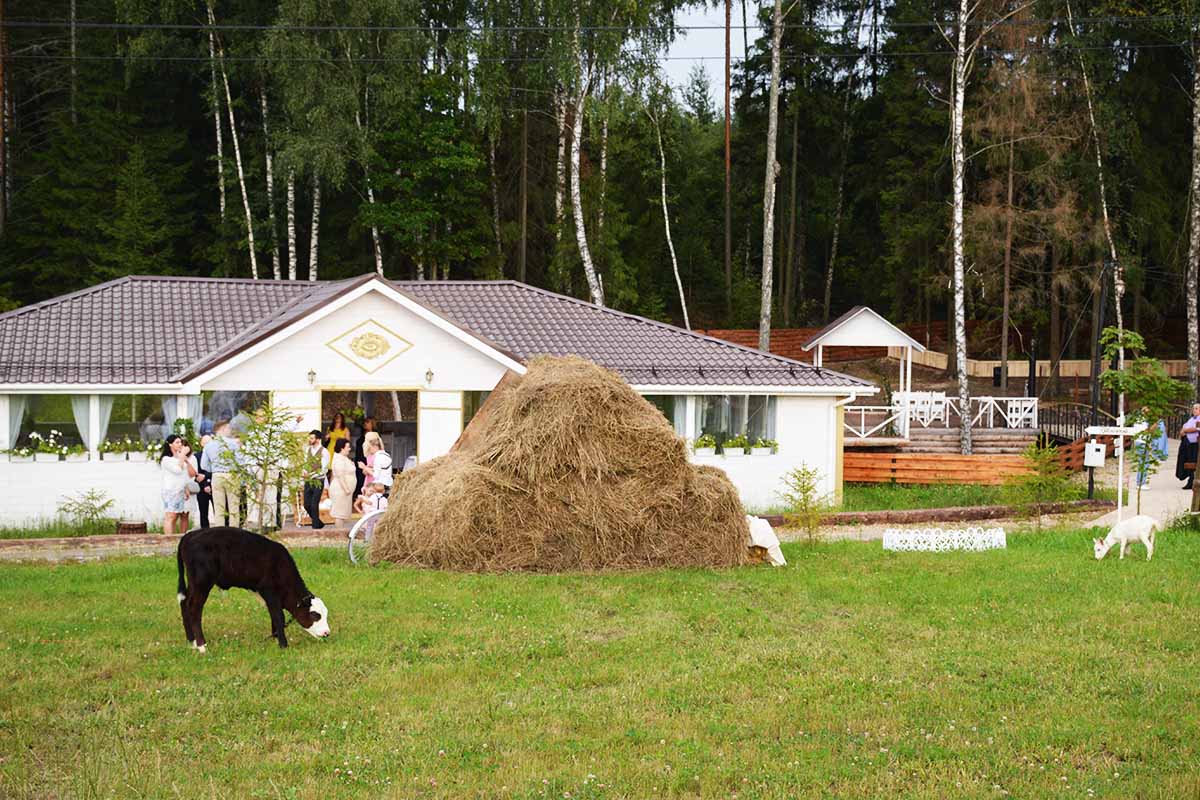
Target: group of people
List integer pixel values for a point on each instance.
(355, 470)
(191, 486)
(357, 478)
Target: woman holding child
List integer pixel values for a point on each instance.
(178, 472)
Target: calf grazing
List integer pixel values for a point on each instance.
(226, 557)
(1140, 528)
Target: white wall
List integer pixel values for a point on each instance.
(439, 423)
(285, 366)
(33, 491)
(806, 429)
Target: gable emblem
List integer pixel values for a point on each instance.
(369, 345)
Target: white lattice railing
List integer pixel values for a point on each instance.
(857, 424)
(929, 409)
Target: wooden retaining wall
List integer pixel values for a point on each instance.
(930, 468)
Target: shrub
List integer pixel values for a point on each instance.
(1045, 482)
(804, 502)
(89, 511)
(771, 443)
(705, 440)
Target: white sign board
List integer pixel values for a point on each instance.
(1115, 430)
(1093, 454)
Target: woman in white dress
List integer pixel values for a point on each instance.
(177, 471)
(342, 481)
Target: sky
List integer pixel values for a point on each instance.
(707, 47)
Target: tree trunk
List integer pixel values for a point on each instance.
(216, 104)
(772, 172)
(275, 265)
(291, 223)
(524, 200)
(1117, 276)
(1055, 323)
(1193, 265)
(789, 279)
(375, 241)
(3, 124)
(603, 166)
(728, 175)
(589, 270)
(959, 157)
(839, 203)
(315, 234)
(237, 155)
(662, 164)
(560, 167)
(74, 65)
(1008, 239)
(495, 204)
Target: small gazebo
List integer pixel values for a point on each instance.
(864, 327)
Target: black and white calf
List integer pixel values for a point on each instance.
(226, 557)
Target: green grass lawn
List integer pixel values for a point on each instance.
(885, 496)
(1029, 672)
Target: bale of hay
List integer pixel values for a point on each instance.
(569, 469)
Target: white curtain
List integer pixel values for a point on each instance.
(170, 407)
(16, 413)
(195, 408)
(679, 414)
(81, 407)
(106, 404)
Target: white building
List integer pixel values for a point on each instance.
(129, 357)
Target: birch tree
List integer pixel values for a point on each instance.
(653, 113)
(237, 151)
(1193, 264)
(276, 268)
(595, 288)
(291, 223)
(315, 235)
(216, 110)
(772, 172)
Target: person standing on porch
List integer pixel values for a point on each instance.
(341, 484)
(360, 457)
(337, 432)
(316, 466)
(217, 460)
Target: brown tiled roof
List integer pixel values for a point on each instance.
(165, 329)
(789, 343)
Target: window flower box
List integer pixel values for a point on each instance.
(75, 458)
(20, 458)
(735, 447)
(137, 455)
(45, 457)
(763, 447)
(111, 456)
(705, 445)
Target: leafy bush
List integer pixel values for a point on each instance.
(89, 511)
(803, 501)
(771, 443)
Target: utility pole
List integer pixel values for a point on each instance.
(728, 172)
(1095, 385)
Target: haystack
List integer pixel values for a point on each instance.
(564, 468)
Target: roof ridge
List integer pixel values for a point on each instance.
(224, 279)
(677, 330)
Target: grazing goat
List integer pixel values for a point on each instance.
(226, 557)
(1140, 528)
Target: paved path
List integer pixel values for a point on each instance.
(1163, 498)
(93, 548)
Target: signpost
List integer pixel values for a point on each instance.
(1120, 430)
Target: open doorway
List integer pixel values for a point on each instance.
(395, 414)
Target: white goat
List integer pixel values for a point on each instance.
(1140, 528)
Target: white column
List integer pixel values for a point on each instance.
(439, 423)
(94, 426)
(819, 355)
(908, 383)
(4, 432)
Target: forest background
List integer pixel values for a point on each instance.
(540, 141)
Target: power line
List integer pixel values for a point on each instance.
(789, 56)
(485, 29)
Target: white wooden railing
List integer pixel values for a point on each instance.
(929, 409)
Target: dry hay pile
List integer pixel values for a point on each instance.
(564, 468)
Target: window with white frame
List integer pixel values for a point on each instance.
(728, 415)
(673, 407)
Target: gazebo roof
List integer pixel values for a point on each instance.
(862, 327)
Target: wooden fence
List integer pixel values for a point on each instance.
(871, 467)
(930, 468)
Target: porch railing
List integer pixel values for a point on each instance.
(935, 409)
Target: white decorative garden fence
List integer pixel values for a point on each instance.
(943, 540)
